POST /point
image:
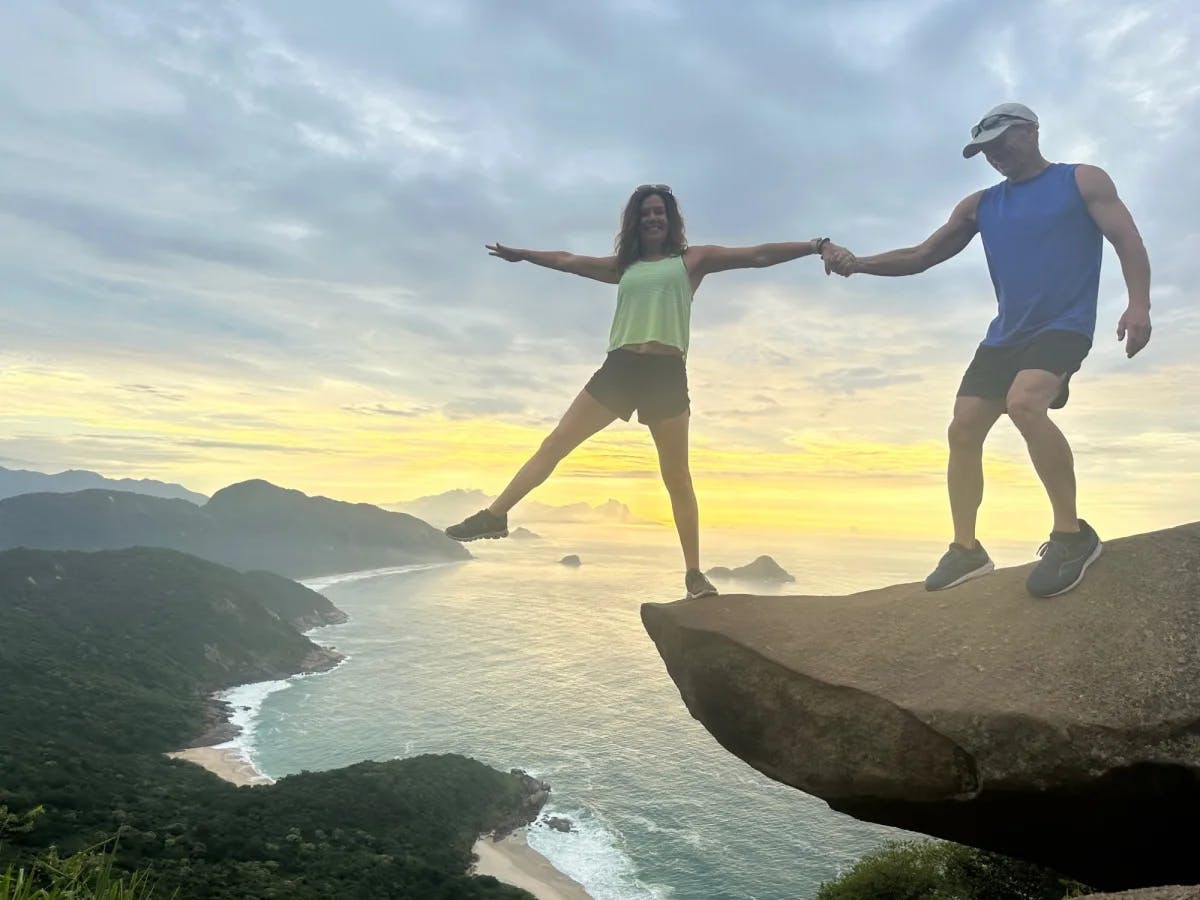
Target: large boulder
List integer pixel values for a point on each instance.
(1063, 731)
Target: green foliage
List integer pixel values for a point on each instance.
(937, 870)
(12, 823)
(123, 646)
(87, 875)
(107, 659)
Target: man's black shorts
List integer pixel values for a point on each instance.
(994, 369)
(655, 384)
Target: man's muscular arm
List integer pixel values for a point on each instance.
(947, 241)
(1114, 220)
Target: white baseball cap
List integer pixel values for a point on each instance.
(998, 120)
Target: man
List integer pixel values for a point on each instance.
(1041, 231)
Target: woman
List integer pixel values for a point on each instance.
(657, 274)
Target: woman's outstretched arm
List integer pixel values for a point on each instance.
(704, 260)
(601, 268)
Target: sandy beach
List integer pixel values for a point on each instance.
(510, 860)
(226, 762)
(514, 862)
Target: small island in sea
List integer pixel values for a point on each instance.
(763, 569)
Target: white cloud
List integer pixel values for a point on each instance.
(235, 187)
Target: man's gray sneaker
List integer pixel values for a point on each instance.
(1065, 557)
(698, 585)
(481, 525)
(958, 564)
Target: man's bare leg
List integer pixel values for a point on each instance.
(1029, 401)
(973, 419)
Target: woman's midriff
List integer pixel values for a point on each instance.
(652, 347)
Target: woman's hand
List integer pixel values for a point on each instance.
(838, 260)
(508, 254)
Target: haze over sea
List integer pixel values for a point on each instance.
(519, 661)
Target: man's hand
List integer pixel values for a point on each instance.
(1135, 322)
(506, 253)
(838, 260)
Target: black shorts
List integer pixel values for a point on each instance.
(994, 369)
(655, 384)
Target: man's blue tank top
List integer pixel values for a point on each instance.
(1043, 252)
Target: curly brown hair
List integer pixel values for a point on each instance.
(628, 245)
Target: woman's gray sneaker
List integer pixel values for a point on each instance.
(1065, 558)
(957, 565)
(481, 525)
(698, 585)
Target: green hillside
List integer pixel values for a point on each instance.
(107, 661)
(251, 525)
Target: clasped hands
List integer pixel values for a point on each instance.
(838, 260)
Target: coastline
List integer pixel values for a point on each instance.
(509, 859)
(231, 715)
(514, 862)
(230, 718)
(229, 763)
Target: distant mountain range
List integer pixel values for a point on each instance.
(453, 506)
(251, 525)
(22, 481)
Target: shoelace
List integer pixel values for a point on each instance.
(1055, 545)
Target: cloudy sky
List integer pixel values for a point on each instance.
(245, 239)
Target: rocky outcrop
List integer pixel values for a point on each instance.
(521, 533)
(572, 560)
(1063, 731)
(534, 794)
(299, 606)
(559, 823)
(320, 659)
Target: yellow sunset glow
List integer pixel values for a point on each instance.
(207, 433)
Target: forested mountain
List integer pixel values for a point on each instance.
(252, 525)
(107, 660)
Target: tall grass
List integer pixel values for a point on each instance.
(87, 875)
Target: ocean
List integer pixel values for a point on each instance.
(521, 662)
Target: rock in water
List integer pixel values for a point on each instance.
(763, 569)
(571, 560)
(1063, 731)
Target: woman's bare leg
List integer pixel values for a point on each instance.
(671, 439)
(585, 416)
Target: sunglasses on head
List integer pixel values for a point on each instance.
(665, 188)
(993, 121)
